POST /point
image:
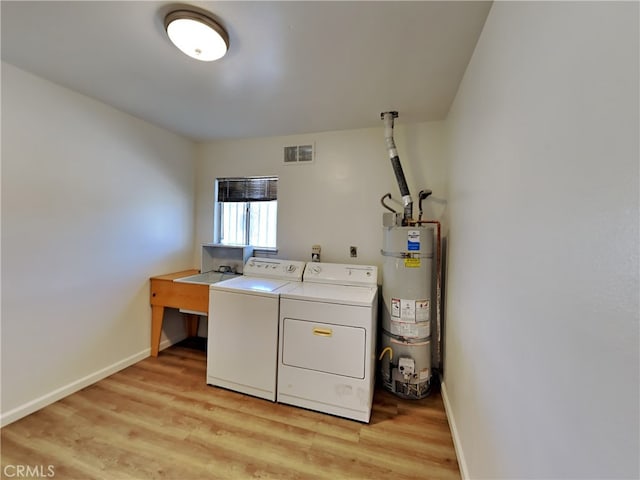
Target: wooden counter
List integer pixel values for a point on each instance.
(167, 293)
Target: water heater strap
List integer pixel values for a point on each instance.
(405, 254)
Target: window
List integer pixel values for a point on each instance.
(246, 211)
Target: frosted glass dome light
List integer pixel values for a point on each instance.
(196, 35)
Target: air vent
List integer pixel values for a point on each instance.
(299, 154)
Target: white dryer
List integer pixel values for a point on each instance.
(326, 359)
(242, 350)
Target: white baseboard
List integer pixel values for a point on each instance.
(462, 463)
(166, 343)
(51, 397)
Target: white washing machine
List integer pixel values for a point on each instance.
(326, 359)
(242, 350)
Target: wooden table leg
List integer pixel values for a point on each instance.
(157, 314)
(191, 324)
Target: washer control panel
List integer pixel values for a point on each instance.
(274, 268)
(341, 274)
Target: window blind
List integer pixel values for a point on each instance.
(257, 189)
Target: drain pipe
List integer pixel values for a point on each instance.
(397, 167)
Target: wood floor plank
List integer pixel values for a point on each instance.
(159, 420)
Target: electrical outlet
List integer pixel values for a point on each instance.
(353, 251)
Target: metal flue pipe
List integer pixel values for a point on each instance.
(397, 166)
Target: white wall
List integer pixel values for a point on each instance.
(334, 202)
(541, 363)
(93, 203)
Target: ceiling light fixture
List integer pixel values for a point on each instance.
(196, 35)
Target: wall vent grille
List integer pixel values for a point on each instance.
(299, 154)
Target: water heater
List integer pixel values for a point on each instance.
(407, 311)
(407, 272)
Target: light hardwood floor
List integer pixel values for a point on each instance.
(158, 419)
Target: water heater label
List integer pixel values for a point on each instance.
(412, 262)
(411, 330)
(413, 240)
(407, 310)
(395, 307)
(422, 310)
(410, 311)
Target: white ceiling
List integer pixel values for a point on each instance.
(292, 67)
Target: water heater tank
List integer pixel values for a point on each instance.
(408, 303)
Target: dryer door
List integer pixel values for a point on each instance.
(324, 347)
